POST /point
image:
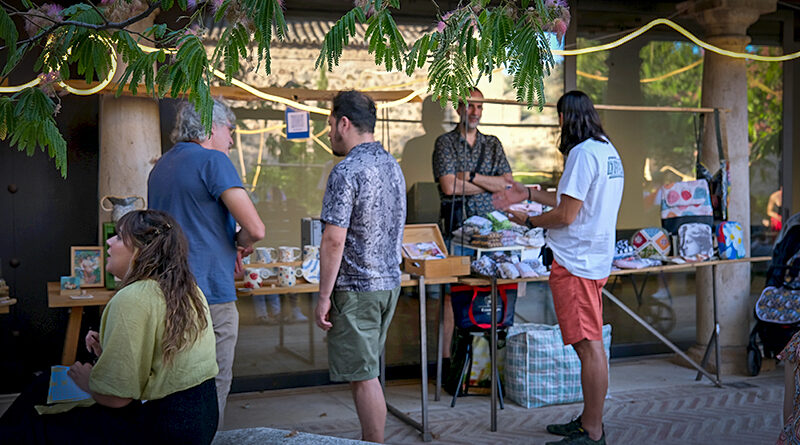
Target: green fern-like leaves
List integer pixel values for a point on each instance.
(385, 40)
(530, 62)
(231, 47)
(9, 36)
(338, 37)
(267, 15)
(32, 125)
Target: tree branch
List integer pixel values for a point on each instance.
(103, 27)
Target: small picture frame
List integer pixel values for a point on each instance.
(70, 283)
(86, 263)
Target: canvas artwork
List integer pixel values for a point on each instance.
(87, 264)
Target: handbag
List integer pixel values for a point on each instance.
(472, 305)
(685, 202)
(729, 240)
(651, 242)
(695, 242)
(719, 183)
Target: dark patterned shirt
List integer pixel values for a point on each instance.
(366, 194)
(452, 154)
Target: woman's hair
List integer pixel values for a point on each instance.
(160, 254)
(188, 127)
(580, 121)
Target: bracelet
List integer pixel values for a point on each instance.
(528, 222)
(529, 194)
(472, 176)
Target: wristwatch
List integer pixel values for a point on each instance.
(472, 176)
(529, 193)
(528, 222)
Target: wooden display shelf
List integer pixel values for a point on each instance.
(269, 265)
(307, 288)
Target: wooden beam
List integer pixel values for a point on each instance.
(236, 93)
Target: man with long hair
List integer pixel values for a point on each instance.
(364, 211)
(581, 232)
(197, 184)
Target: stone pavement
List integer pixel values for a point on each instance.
(650, 401)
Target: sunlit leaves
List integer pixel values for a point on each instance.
(469, 42)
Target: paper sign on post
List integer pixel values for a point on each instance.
(297, 126)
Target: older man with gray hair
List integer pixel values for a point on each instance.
(197, 184)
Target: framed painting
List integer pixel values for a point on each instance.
(86, 263)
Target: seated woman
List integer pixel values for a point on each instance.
(154, 377)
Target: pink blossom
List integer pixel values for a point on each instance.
(35, 23)
(550, 4)
(560, 28)
(440, 26)
(362, 3)
(47, 82)
(106, 2)
(216, 4)
(447, 15)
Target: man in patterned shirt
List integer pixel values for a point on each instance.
(470, 163)
(364, 211)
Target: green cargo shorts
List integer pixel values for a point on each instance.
(360, 322)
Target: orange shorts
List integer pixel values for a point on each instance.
(579, 305)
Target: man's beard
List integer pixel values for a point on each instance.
(336, 140)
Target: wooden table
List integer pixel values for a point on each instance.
(494, 282)
(100, 297)
(5, 305)
(422, 426)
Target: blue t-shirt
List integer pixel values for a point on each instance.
(187, 183)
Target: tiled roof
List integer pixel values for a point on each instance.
(311, 33)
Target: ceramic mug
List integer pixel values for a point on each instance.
(266, 255)
(267, 272)
(310, 251)
(287, 275)
(289, 253)
(252, 278)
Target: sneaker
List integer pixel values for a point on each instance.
(297, 316)
(565, 429)
(580, 438)
(268, 320)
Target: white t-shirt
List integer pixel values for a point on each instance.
(593, 174)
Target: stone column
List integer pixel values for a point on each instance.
(725, 86)
(130, 140)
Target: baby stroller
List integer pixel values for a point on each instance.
(777, 310)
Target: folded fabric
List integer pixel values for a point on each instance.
(636, 263)
(623, 249)
(525, 270)
(484, 266)
(499, 220)
(508, 271)
(478, 221)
